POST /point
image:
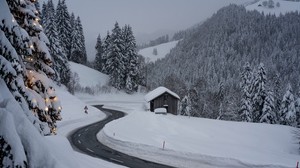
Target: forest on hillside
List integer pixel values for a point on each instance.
(207, 65)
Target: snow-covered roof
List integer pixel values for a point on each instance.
(159, 91)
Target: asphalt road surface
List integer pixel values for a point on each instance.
(84, 139)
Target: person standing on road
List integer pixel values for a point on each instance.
(86, 109)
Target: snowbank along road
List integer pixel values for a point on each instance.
(84, 139)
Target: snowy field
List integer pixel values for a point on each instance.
(74, 117)
(189, 142)
(162, 51)
(285, 6)
(194, 142)
(89, 77)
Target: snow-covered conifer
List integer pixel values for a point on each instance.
(245, 84)
(297, 109)
(258, 92)
(185, 106)
(268, 114)
(288, 111)
(115, 59)
(64, 27)
(78, 51)
(194, 98)
(60, 63)
(106, 51)
(24, 65)
(132, 71)
(99, 62)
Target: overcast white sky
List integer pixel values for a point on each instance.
(148, 18)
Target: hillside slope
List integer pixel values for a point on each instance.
(211, 59)
(88, 76)
(162, 51)
(280, 7)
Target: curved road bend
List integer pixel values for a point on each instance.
(84, 139)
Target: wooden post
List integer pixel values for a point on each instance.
(297, 165)
(164, 145)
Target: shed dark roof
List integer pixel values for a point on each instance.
(159, 91)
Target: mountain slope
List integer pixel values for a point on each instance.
(280, 7)
(89, 77)
(211, 59)
(162, 51)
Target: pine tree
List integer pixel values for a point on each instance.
(288, 111)
(60, 63)
(259, 92)
(245, 84)
(38, 62)
(115, 59)
(268, 114)
(185, 106)
(246, 109)
(44, 14)
(221, 112)
(78, 51)
(24, 62)
(297, 109)
(81, 42)
(277, 94)
(99, 62)
(194, 98)
(131, 60)
(106, 51)
(64, 27)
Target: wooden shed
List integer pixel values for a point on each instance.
(162, 97)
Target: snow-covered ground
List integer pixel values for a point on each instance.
(189, 142)
(285, 6)
(194, 142)
(89, 77)
(74, 117)
(162, 51)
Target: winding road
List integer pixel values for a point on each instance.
(84, 139)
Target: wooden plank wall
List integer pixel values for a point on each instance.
(166, 99)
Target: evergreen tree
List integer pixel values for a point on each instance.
(288, 111)
(60, 63)
(24, 62)
(78, 51)
(185, 106)
(277, 94)
(115, 59)
(268, 114)
(297, 109)
(194, 98)
(44, 14)
(245, 84)
(130, 60)
(64, 27)
(106, 51)
(259, 92)
(246, 109)
(6, 157)
(221, 112)
(81, 42)
(99, 61)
